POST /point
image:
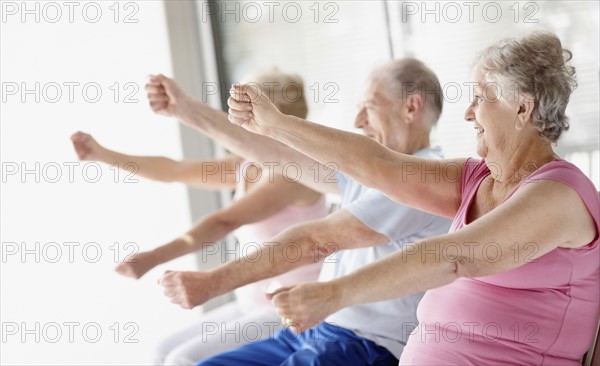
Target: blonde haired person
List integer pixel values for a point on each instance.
(264, 204)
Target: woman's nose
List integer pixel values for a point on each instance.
(470, 114)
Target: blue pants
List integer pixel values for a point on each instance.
(325, 345)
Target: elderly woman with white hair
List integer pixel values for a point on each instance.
(516, 281)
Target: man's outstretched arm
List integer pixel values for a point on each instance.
(167, 98)
(313, 239)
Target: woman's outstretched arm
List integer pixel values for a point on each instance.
(503, 239)
(261, 202)
(429, 185)
(201, 174)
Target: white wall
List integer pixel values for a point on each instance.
(76, 292)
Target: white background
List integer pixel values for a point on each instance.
(145, 213)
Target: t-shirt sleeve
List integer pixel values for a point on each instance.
(342, 182)
(387, 217)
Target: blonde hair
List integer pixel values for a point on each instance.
(286, 91)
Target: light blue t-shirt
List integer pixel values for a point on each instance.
(387, 323)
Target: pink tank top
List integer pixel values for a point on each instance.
(542, 313)
(253, 235)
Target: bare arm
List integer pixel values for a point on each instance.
(200, 174)
(167, 98)
(262, 201)
(561, 220)
(429, 185)
(315, 240)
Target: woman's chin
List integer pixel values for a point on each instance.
(482, 151)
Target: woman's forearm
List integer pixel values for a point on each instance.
(261, 149)
(416, 268)
(239, 141)
(400, 274)
(151, 167)
(205, 233)
(356, 155)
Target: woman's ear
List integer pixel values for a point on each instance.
(524, 112)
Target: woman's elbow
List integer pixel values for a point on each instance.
(470, 268)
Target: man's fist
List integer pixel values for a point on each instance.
(187, 289)
(166, 97)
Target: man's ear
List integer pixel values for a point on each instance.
(524, 112)
(413, 107)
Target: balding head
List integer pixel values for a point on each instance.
(408, 76)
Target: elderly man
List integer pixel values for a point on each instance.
(402, 102)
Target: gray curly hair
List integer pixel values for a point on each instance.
(534, 66)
